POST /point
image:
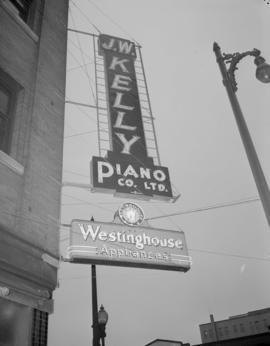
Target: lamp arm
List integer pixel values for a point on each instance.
(233, 60)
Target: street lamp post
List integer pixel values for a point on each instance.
(102, 321)
(94, 307)
(263, 74)
(100, 318)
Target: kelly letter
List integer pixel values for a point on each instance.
(119, 122)
(117, 102)
(126, 144)
(121, 82)
(108, 46)
(116, 62)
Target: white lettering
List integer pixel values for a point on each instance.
(103, 236)
(112, 236)
(179, 244)
(110, 45)
(125, 47)
(118, 101)
(153, 185)
(146, 186)
(130, 171)
(121, 182)
(171, 243)
(161, 187)
(129, 182)
(155, 241)
(159, 175)
(119, 122)
(116, 62)
(104, 251)
(103, 174)
(118, 169)
(145, 173)
(125, 182)
(121, 82)
(138, 240)
(90, 230)
(127, 144)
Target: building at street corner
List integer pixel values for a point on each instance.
(251, 328)
(33, 36)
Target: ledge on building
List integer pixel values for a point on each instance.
(11, 163)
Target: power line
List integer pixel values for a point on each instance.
(81, 110)
(113, 21)
(211, 207)
(79, 66)
(86, 17)
(83, 66)
(230, 255)
(76, 173)
(81, 134)
(89, 203)
(84, 62)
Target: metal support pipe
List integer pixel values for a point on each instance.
(254, 162)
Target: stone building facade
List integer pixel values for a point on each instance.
(33, 40)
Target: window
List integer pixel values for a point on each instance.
(251, 326)
(29, 11)
(8, 95)
(242, 328)
(40, 328)
(266, 324)
(235, 328)
(5, 118)
(257, 326)
(22, 8)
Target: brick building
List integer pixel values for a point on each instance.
(240, 326)
(33, 35)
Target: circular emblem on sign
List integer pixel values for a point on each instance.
(131, 214)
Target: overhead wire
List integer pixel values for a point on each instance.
(86, 70)
(88, 203)
(85, 16)
(80, 134)
(76, 46)
(219, 253)
(76, 173)
(210, 207)
(113, 21)
(82, 111)
(79, 66)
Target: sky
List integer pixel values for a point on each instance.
(199, 142)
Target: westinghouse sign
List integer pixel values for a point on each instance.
(121, 245)
(127, 168)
